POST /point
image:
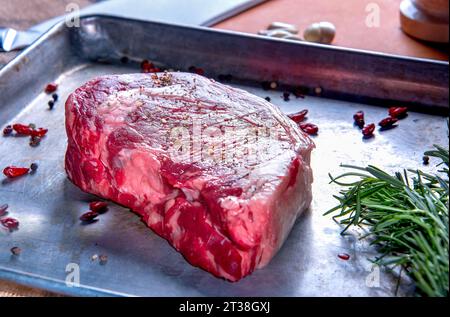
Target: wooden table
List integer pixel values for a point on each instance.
(348, 16)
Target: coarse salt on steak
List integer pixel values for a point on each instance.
(218, 172)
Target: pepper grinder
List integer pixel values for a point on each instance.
(426, 20)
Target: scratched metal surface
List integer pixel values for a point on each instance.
(141, 263)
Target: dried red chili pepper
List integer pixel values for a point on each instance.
(398, 112)
(368, 130)
(298, 116)
(51, 88)
(10, 223)
(13, 171)
(148, 67)
(40, 132)
(359, 115)
(387, 122)
(309, 128)
(22, 129)
(152, 70)
(359, 119)
(98, 206)
(196, 70)
(29, 130)
(89, 216)
(344, 256)
(145, 64)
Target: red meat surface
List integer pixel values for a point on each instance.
(219, 173)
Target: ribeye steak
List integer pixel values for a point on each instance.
(218, 172)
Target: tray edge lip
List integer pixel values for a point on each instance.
(60, 26)
(279, 40)
(17, 59)
(54, 285)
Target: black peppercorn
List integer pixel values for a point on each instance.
(33, 167)
(7, 130)
(34, 141)
(103, 259)
(16, 250)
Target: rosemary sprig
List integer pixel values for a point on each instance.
(407, 217)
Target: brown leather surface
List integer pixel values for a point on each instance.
(348, 16)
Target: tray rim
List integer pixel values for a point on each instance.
(61, 26)
(58, 285)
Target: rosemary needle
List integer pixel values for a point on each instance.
(407, 217)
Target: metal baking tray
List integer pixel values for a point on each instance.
(139, 263)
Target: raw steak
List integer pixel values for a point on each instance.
(218, 172)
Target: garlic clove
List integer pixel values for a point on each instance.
(320, 32)
(312, 33)
(328, 31)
